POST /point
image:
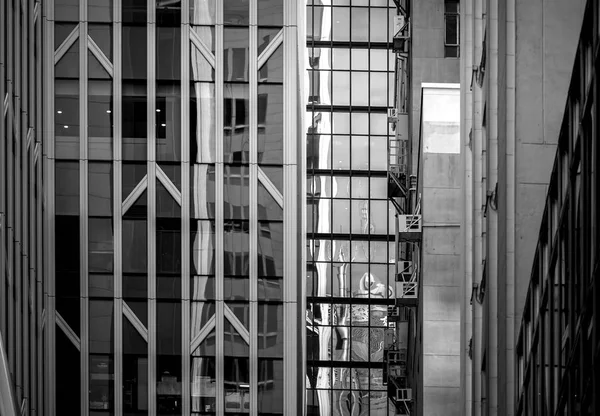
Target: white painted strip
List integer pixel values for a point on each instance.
(104, 61)
(236, 323)
(270, 49)
(270, 187)
(197, 42)
(135, 194)
(201, 336)
(67, 43)
(166, 181)
(62, 324)
(135, 321)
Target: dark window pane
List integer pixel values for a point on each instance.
(66, 118)
(102, 36)
(66, 10)
(275, 175)
(69, 310)
(135, 370)
(272, 70)
(168, 287)
(236, 248)
(236, 45)
(102, 374)
(202, 122)
(61, 31)
(68, 389)
(95, 69)
(202, 244)
(166, 206)
(168, 328)
(134, 121)
(134, 52)
(236, 132)
(101, 326)
(236, 12)
(100, 10)
(66, 188)
(67, 283)
(270, 12)
(270, 386)
(100, 245)
(168, 245)
(236, 192)
(168, 360)
(202, 191)
(241, 310)
(100, 119)
(270, 248)
(139, 208)
(134, 246)
(139, 307)
(134, 11)
(270, 330)
(168, 13)
(100, 199)
(133, 173)
(168, 122)
(451, 29)
(270, 124)
(101, 285)
(67, 244)
(68, 66)
(168, 53)
(202, 12)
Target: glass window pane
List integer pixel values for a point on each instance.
(340, 84)
(66, 10)
(340, 23)
(134, 52)
(168, 13)
(270, 289)
(100, 245)
(272, 70)
(270, 12)
(101, 382)
(270, 248)
(134, 246)
(203, 384)
(202, 287)
(61, 31)
(100, 119)
(270, 386)
(100, 189)
(100, 10)
(270, 330)
(168, 359)
(68, 397)
(360, 59)
(360, 24)
(67, 252)
(101, 326)
(134, 121)
(102, 36)
(236, 241)
(381, 25)
(268, 207)
(168, 122)
(101, 285)
(202, 12)
(202, 235)
(168, 245)
(202, 191)
(237, 391)
(236, 45)
(66, 118)
(360, 88)
(270, 124)
(236, 123)
(133, 173)
(236, 288)
(200, 68)
(168, 53)
(202, 122)
(66, 188)
(236, 12)
(236, 192)
(134, 11)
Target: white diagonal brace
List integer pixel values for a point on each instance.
(195, 39)
(64, 47)
(270, 49)
(135, 321)
(62, 324)
(135, 194)
(104, 61)
(195, 343)
(270, 187)
(166, 181)
(5, 104)
(240, 328)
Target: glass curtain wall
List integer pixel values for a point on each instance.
(168, 158)
(350, 223)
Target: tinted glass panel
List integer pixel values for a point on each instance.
(102, 36)
(236, 123)
(101, 326)
(236, 12)
(134, 11)
(66, 10)
(134, 52)
(202, 122)
(270, 124)
(236, 45)
(168, 122)
(270, 386)
(270, 12)
(100, 245)
(66, 188)
(202, 12)
(100, 10)
(168, 53)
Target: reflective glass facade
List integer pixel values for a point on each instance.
(557, 351)
(350, 248)
(173, 228)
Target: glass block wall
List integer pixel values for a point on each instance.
(174, 232)
(350, 223)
